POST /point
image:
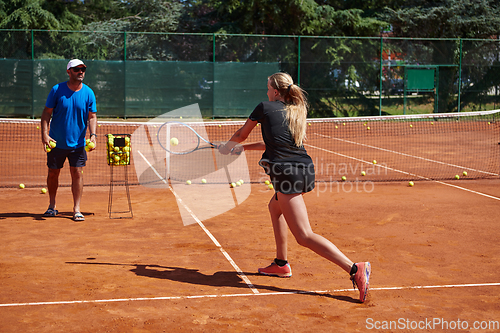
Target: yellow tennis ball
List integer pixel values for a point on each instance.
(267, 182)
(363, 173)
(87, 141)
(21, 186)
(91, 145)
(126, 149)
(117, 149)
(241, 181)
(411, 125)
(344, 178)
(233, 184)
(52, 144)
(220, 125)
(368, 128)
(374, 162)
(464, 173)
(238, 183)
(270, 186)
(44, 190)
(47, 149)
(411, 184)
(203, 181)
(174, 141)
(117, 158)
(188, 182)
(457, 177)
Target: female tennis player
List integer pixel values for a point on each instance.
(291, 170)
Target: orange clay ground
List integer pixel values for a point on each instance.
(433, 247)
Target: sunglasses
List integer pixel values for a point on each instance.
(78, 69)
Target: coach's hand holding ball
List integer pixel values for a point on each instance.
(89, 144)
(50, 146)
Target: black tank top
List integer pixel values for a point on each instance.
(280, 146)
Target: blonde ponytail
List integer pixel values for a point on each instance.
(296, 105)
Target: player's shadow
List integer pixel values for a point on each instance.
(218, 279)
(40, 217)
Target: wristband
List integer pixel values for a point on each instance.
(93, 134)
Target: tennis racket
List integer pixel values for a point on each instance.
(180, 139)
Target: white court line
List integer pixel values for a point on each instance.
(298, 292)
(404, 154)
(405, 172)
(209, 234)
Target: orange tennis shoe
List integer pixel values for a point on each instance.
(275, 270)
(362, 279)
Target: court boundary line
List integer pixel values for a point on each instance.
(207, 232)
(405, 154)
(298, 292)
(404, 172)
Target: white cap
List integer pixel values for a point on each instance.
(74, 63)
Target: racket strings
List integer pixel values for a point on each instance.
(179, 139)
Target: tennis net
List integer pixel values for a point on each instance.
(387, 148)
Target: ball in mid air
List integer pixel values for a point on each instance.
(174, 141)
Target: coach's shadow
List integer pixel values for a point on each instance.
(218, 279)
(40, 217)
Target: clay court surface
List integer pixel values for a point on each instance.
(434, 251)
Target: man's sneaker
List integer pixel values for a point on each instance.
(362, 279)
(275, 270)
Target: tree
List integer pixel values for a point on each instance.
(450, 19)
(38, 14)
(281, 17)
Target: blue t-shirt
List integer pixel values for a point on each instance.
(70, 115)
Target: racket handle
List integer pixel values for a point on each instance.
(235, 153)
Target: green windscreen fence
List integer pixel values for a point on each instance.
(147, 74)
(140, 88)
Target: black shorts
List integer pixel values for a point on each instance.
(290, 178)
(76, 157)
